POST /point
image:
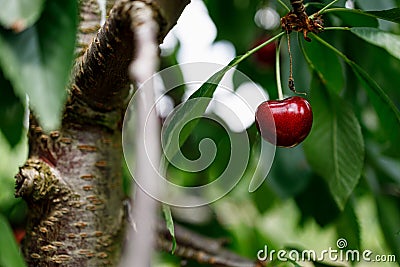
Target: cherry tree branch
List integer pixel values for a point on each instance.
(100, 76)
(171, 11)
(202, 249)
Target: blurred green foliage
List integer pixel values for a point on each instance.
(306, 202)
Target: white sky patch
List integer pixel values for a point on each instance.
(164, 106)
(164, 103)
(196, 33)
(349, 4)
(196, 73)
(194, 27)
(103, 11)
(168, 45)
(237, 108)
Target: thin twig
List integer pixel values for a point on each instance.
(284, 5)
(189, 238)
(205, 257)
(255, 49)
(320, 12)
(337, 28)
(202, 249)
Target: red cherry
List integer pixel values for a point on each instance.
(284, 122)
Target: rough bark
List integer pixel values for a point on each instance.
(72, 178)
(72, 184)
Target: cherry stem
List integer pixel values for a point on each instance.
(278, 71)
(337, 28)
(291, 80)
(255, 49)
(303, 50)
(284, 5)
(291, 84)
(320, 12)
(334, 49)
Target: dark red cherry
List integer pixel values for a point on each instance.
(284, 122)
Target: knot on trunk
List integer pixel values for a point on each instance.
(36, 180)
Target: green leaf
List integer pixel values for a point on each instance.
(328, 67)
(170, 225)
(7, 199)
(10, 255)
(347, 227)
(389, 41)
(20, 14)
(388, 113)
(388, 168)
(358, 18)
(335, 147)
(290, 173)
(387, 206)
(354, 17)
(38, 61)
(316, 202)
(392, 15)
(11, 113)
(194, 107)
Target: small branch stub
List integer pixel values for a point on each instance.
(298, 20)
(35, 180)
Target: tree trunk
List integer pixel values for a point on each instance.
(72, 184)
(72, 179)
